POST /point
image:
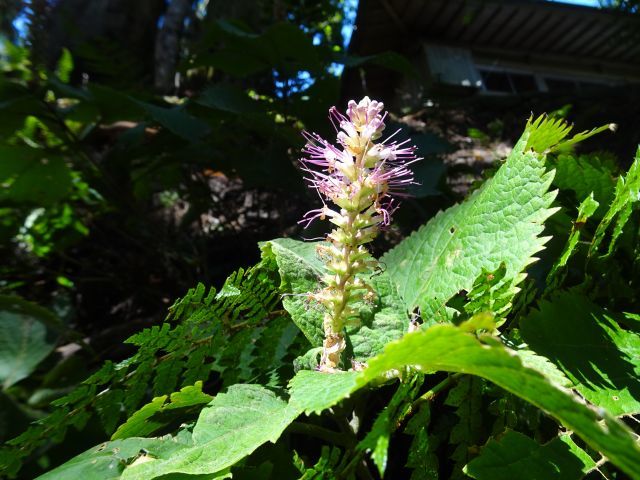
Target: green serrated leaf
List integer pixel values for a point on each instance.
(324, 469)
(627, 193)
(160, 412)
(447, 348)
(466, 397)
(588, 345)
(586, 209)
(109, 405)
(300, 271)
(515, 455)
(377, 440)
(313, 391)
(586, 175)
(545, 133)
(500, 222)
(232, 426)
(387, 321)
(421, 457)
(582, 136)
(108, 460)
(546, 367)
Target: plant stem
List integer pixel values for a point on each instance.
(433, 392)
(321, 433)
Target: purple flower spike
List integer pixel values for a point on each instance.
(358, 167)
(361, 178)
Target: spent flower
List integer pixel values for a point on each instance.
(360, 178)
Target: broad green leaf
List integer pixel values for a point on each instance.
(586, 342)
(228, 98)
(159, 412)
(447, 348)
(546, 367)
(300, 272)
(108, 460)
(500, 222)
(232, 426)
(386, 321)
(177, 121)
(515, 455)
(26, 338)
(33, 176)
(627, 193)
(313, 391)
(587, 208)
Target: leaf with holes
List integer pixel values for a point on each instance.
(500, 222)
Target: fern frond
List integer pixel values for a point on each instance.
(203, 329)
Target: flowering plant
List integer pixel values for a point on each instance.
(361, 178)
(229, 373)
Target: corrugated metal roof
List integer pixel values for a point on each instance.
(530, 30)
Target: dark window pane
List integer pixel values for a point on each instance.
(496, 81)
(523, 83)
(560, 86)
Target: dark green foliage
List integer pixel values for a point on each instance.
(217, 374)
(205, 332)
(516, 455)
(532, 374)
(466, 398)
(421, 457)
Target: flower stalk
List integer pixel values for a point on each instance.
(360, 178)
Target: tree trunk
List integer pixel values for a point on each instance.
(167, 52)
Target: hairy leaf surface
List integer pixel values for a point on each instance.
(312, 391)
(515, 455)
(446, 348)
(300, 270)
(230, 428)
(108, 460)
(500, 222)
(586, 342)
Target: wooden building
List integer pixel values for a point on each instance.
(494, 47)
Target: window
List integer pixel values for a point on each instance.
(557, 85)
(496, 81)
